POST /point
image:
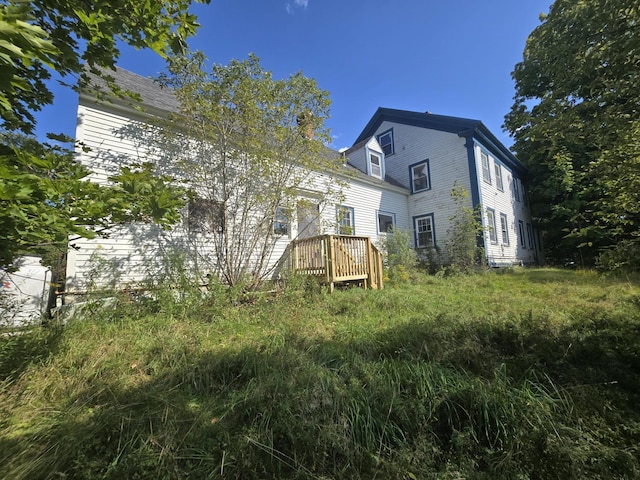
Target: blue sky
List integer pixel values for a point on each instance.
(447, 57)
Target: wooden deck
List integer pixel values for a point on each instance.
(338, 259)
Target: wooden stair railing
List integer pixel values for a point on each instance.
(338, 259)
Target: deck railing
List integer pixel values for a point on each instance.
(338, 259)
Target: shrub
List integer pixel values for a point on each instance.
(462, 236)
(621, 258)
(400, 258)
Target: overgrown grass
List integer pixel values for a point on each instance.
(529, 374)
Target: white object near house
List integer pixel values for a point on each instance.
(24, 293)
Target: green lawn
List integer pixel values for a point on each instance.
(521, 374)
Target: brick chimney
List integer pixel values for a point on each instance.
(305, 124)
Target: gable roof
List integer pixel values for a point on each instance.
(463, 127)
(152, 94)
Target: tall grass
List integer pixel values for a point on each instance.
(526, 374)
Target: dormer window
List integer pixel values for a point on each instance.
(376, 165)
(386, 142)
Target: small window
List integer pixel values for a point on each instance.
(205, 216)
(499, 183)
(425, 236)
(521, 233)
(530, 235)
(420, 180)
(376, 165)
(385, 222)
(516, 189)
(385, 140)
(486, 173)
(491, 225)
(344, 217)
(504, 228)
(281, 222)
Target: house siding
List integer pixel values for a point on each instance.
(136, 252)
(448, 166)
(116, 136)
(503, 202)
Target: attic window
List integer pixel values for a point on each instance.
(386, 142)
(376, 167)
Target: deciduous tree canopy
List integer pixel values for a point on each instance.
(44, 194)
(248, 144)
(576, 125)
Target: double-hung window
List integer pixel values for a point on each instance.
(281, 222)
(486, 172)
(420, 180)
(491, 225)
(499, 182)
(425, 236)
(530, 235)
(345, 220)
(521, 233)
(516, 189)
(385, 140)
(504, 228)
(376, 165)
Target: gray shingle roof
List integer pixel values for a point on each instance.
(152, 94)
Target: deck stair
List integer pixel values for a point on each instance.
(338, 259)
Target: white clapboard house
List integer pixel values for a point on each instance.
(399, 175)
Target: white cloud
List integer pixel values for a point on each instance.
(296, 3)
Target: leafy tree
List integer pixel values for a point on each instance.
(461, 245)
(44, 193)
(576, 123)
(37, 36)
(247, 143)
(46, 199)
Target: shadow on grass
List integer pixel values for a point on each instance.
(431, 399)
(20, 349)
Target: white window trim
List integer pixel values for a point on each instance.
(388, 214)
(340, 209)
(504, 228)
(491, 225)
(499, 181)
(379, 166)
(282, 222)
(486, 167)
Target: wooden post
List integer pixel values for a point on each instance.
(370, 272)
(329, 260)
